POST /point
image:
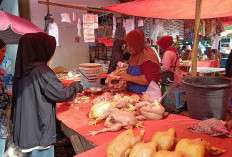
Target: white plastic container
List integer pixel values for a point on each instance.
(90, 74)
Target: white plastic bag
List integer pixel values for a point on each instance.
(65, 17)
(13, 151)
(74, 16)
(153, 92)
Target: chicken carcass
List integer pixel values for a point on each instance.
(104, 97)
(124, 101)
(197, 147)
(117, 120)
(144, 149)
(152, 111)
(166, 139)
(98, 111)
(118, 96)
(123, 143)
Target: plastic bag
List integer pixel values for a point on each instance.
(65, 17)
(153, 92)
(13, 151)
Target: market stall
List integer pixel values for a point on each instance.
(75, 115)
(75, 118)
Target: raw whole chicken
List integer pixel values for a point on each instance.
(197, 147)
(117, 120)
(165, 139)
(103, 109)
(126, 101)
(123, 102)
(152, 111)
(99, 108)
(144, 149)
(123, 143)
(100, 111)
(118, 96)
(104, 97)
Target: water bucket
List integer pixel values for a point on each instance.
(90, 74)
(207, 97)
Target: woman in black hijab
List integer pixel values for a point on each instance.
(117, 54)
(36, 90)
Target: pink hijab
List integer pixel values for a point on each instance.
(165, 43)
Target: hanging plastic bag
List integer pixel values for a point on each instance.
(65, 17)
(153, 92)
(53, 30)
(74, 16)
(79, 27)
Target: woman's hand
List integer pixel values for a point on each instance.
(125, 76)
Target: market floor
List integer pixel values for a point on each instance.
(63, 148)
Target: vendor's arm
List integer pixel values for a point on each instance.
(57, 92)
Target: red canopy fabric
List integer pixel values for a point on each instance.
(174, 9)
(12, 27)
(226, 21)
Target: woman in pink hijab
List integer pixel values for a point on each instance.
(170, 60)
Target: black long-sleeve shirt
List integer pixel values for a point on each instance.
(34, 106)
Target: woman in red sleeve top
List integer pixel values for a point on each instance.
(144, 65)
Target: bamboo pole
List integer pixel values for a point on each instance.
(77, 7)
(195, 41)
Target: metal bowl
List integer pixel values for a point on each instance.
(93, 90)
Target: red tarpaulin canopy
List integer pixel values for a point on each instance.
(226, 21)
(13, 27)
(174, 9)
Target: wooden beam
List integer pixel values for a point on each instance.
(195, 40)
(77, 7)
(24, 9)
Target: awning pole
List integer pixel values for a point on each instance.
(195, 39)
